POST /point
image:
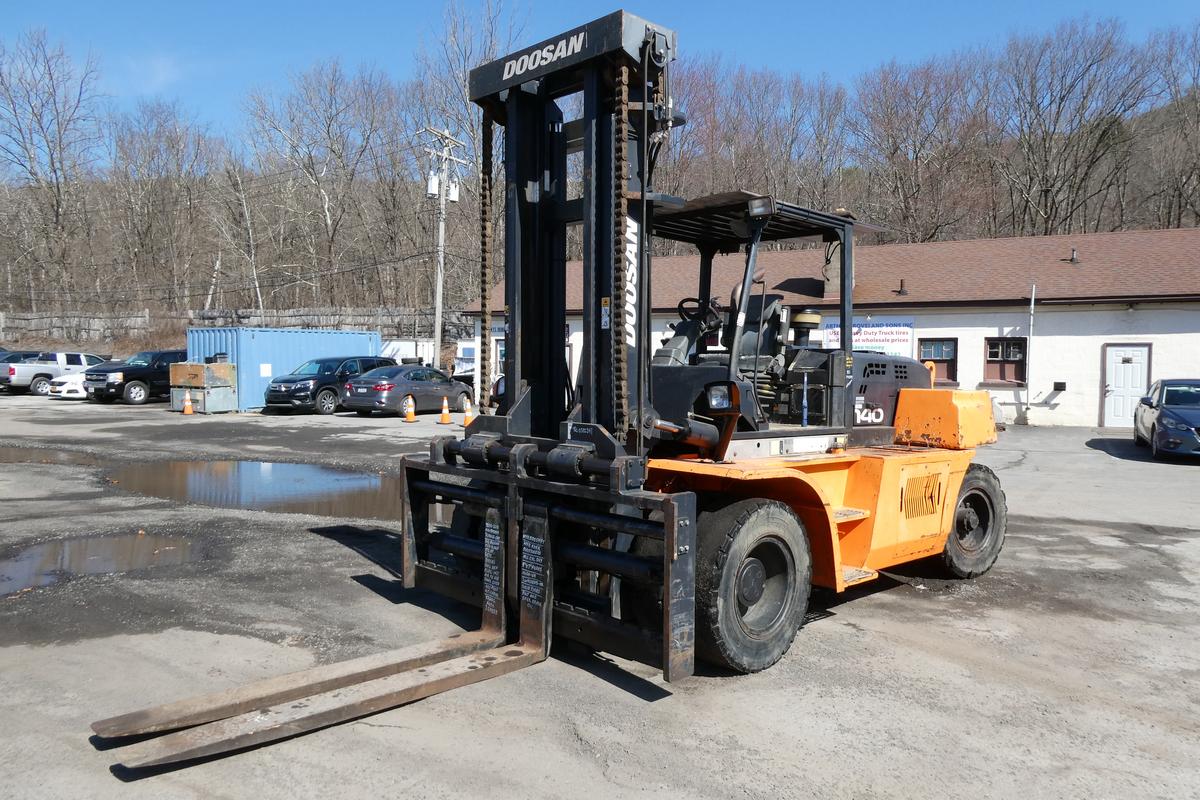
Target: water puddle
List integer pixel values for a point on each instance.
(36, 455)
(266, 486)
(49, 563)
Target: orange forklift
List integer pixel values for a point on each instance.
(675, 499)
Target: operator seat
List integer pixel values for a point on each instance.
(763, 313)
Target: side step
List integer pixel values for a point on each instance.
(848, 514)
(853, 575)
(283, 707)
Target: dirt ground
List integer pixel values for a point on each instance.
(1070, 670)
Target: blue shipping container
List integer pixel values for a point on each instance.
(263, 353)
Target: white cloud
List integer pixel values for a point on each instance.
(153, 73)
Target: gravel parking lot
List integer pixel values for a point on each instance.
(1069, 670)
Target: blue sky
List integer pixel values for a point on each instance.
(210, 54)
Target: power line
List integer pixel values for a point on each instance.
(170, 288)
(198, 254)
(269, 284)
(261, 188)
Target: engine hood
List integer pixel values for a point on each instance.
(1188, 414)
(112, 366)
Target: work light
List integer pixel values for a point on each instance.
(761, 207)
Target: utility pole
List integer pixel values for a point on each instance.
(445, 156)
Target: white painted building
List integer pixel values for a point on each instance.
(1113, 312)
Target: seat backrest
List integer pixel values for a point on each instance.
(762, 314)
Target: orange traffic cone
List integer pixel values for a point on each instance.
(410, 411)
(467, 413)
(444, 419)
(187, 402)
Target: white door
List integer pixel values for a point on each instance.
(1126, 378)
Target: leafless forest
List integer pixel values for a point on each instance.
(319, 199)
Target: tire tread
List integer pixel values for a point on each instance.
(1000, 503)
(717, 532)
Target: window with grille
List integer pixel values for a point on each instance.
(944, 355)
(1004, 360)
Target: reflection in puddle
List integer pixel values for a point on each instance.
(50, 562)
(36, 455)
(267, 486)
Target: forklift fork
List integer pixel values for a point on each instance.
(289, 705)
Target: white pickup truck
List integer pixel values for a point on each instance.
(35, 376)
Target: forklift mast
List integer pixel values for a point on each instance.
(618, 68)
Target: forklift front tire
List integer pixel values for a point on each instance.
(753, 575)
(980, 520)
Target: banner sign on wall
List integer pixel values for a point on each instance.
(892, 335)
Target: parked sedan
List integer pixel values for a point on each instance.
(314, 385)
(1168, 418)
(68, 387)
(388, 388)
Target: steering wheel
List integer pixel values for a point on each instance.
(693, 309)
(696, 314)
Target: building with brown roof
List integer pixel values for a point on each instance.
(1112, 312)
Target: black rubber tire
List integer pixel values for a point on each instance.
(980, 522)
(641, 603)
(460, 405)
(1155, 453)
(132, 396)
(1138, 441)
(733, 544)
(362, 412)
(40, 386)
(322, 402)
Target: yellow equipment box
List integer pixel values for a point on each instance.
(947, 418)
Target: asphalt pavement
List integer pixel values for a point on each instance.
(1069, 670)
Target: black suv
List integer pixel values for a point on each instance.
(315, 385)
(134, 380)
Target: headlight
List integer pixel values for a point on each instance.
(116, 377)
(718, 397)
(305, 384)
(1173, 425)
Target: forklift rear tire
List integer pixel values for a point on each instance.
(753, 575)
(980, 520)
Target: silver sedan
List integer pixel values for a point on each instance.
(387, 389)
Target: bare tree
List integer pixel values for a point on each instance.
(1063, 102)
(48, 135)
(1171, 143)
(159, 167)
(322, 200)
(915, 130)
